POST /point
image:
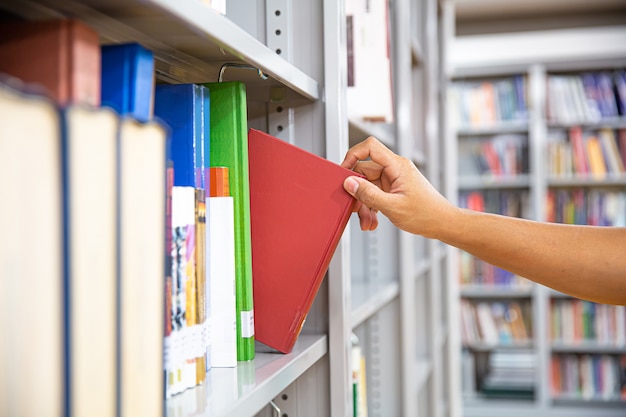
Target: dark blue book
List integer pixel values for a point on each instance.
(185, 109)
(128, 80)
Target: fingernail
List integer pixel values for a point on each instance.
(351, 185)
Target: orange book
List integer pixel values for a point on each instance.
(63, 56)
(596, 159)
(298, 212)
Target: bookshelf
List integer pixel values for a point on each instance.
(538, 45)
(386, 286)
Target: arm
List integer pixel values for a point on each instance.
(584, 261)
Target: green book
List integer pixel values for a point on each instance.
(229, 148)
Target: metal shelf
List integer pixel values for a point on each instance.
(360, 130)
(496, 129)
(587, 347)
(493, 181)
(495, 291)
(248, 388)
(370, 297)
(190, 40)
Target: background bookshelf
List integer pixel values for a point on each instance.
(386, 287)
(551, 46)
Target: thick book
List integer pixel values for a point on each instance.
(90, 148)
(185, 109)
(127, 81)
(229, 148)
(31, 299)
(62, 56)
(299, 210)
(221, 257)
(142, 194)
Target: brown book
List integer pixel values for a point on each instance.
(63, 56)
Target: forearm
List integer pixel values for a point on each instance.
(586, 262)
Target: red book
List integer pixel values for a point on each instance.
(63, 56)
(298, 212)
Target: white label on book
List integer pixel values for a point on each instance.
(247, 323)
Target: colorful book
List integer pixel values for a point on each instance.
(31, 299)
(221, 255)
(91, 218)
(185, 109)
(128, 80)
(142, 194)
(299, 211)
(229, 148)
(62, 56)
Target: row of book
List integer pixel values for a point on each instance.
(577, 321)
(597, 207)
(500, 155)
(588, 377)
(156, 198)
(495, 323)
(587, 97)
(489, 103)
(595, 154)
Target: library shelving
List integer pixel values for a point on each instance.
(386, 287)
(485, 53)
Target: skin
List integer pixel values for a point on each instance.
(587, 262)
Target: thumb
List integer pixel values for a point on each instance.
(365, 192)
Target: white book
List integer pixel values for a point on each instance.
(221, 263)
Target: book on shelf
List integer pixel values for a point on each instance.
(497, 323)
(588, 377)
(510, 375)
(574, 322)
(359, 380)
(128, 80)
(299, 211)
(181, 364)
(61, 55)
(32, 358)
(90, 153)
(142, 193)
(185, 108)
(221, 263)
(488, 103)
(369, 91)
(229, 148)
(588, 97)
(596, 207)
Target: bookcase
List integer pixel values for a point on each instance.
(387, 287)
(507, 150)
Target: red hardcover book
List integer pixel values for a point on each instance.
(63, 56)
(298, 212)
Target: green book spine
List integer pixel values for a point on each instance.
(229, 148)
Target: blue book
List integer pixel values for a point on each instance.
(185, 108)
(128, 80)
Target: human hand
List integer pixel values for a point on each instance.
(396, 188)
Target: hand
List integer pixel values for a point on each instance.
(396, 188)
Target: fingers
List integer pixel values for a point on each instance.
(369, 148)
(367, 193)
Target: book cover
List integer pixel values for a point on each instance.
(142, 208)
(90, 204)
(63, 56)
(184, 108)
(127, 81)
(183, 288)
(229, 148)
(31, 257)
(221, 256)
(299, 211)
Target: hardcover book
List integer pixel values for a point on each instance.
(229, 148)
(128, 80)
(62, 56)
(299, 210)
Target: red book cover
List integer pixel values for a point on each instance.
(298, 212)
